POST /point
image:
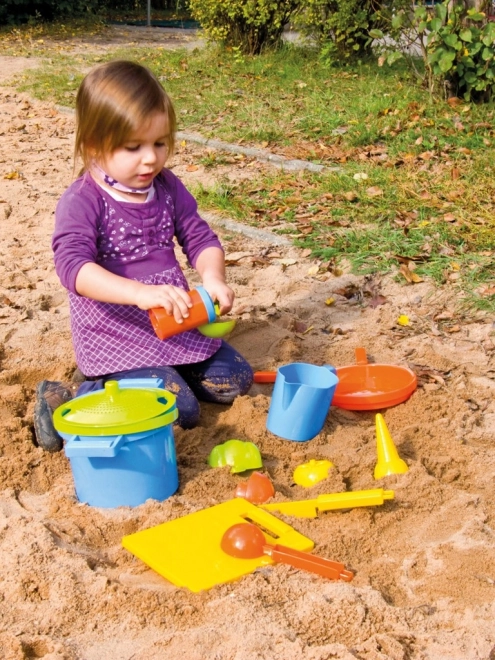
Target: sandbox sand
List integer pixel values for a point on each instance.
(424, 562)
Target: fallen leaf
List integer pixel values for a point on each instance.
(454, 101)
(455, 173)
(313, 270)
(6, 301)
(192, 168)
(299, 327)
(360, 176)
(12, 175)
(329, 301)
(374, 191)
(403, 320)
(449, 217)
(409, 275)
(351, 196)
(377, 300)
(443, 316)
(234, 257)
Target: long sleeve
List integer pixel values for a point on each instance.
(75, 238)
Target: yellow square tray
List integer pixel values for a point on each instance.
(187, 551)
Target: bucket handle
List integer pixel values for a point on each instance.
(131, 383)
(98, 448)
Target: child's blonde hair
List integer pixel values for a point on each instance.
(112, 102)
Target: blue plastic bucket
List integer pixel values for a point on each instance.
(111, 470)
(301, 398)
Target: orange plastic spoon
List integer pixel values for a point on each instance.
(247, 541)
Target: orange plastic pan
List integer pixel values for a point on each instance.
(365, 386)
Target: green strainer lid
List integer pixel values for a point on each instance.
(116, 411)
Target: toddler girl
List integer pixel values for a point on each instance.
(114, 240)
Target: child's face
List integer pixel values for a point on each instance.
(142, 157)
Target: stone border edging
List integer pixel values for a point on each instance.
(293, 165)
(246, 230)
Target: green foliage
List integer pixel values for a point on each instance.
(340, 27)
(457, 45)
(247, 25)
(16, 12)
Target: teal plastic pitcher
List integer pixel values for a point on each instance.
(301, 398)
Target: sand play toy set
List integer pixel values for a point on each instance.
(120, 445)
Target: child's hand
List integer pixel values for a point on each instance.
(221, 293)
(173, 299)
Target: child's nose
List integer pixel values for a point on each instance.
(149, 156)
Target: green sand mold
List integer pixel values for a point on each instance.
(239, 454)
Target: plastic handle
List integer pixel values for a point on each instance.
(373, 497)
(98, 448)
(138, 383)
(333, 570)
(361, 357)
(264, 376)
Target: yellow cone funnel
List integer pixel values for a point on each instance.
(388, 460)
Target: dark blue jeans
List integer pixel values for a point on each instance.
(219, 379)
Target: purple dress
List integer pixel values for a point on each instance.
(135, 241)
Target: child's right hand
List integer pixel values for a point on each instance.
(173, 299)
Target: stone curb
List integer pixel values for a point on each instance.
(293, 165)
(246, 230)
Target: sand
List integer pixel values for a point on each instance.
(424, 562)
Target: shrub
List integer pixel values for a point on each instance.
(456, 44)
(248, 25)
(339, 27)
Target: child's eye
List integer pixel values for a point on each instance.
(160, 144)
(133, 148)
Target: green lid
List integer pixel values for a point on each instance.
(116, 411)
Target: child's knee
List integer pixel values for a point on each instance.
(189, 411)
(225, 390)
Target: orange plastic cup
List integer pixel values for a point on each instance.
(366, 386)
(202, 311)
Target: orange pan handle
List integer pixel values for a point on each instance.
(361, 357)
(265, 376)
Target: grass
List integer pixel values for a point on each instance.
(415, 182)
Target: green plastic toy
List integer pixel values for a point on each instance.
(239, 454)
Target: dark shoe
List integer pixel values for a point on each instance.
(78, 376)
(49, 395)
